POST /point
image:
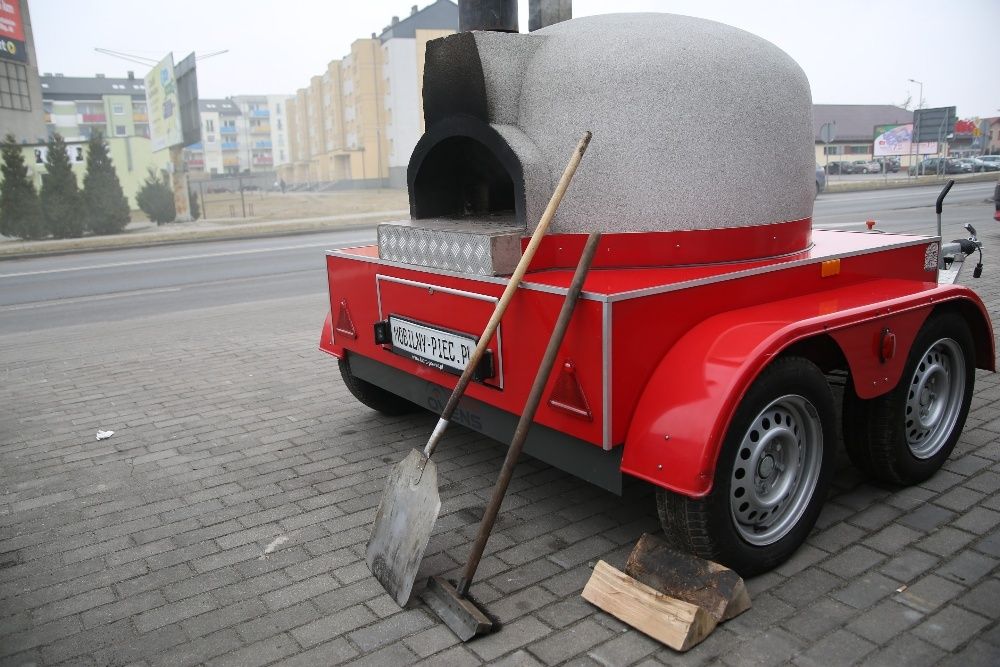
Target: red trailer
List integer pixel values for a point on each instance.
(699, 359)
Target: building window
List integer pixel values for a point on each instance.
(14, 87)
(210, 126)
(831, 150)
(117, 109)
(210, 139)
(119, 130)
(864, 149)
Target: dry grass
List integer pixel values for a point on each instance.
(265, 206)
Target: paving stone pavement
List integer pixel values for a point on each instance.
(225, 522)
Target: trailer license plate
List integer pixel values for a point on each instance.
(441, 349)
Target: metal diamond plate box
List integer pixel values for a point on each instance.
(480, 248)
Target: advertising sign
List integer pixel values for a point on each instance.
(934, 124)
(163, 105)
(12, 31)
(897, 140)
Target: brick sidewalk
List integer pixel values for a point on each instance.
(226, 519)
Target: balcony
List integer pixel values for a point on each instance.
(263, 160)
(229, 145)
(260, 129)
(231, 162)
(140, 118)
(260, 113)
(196, 164)
(94, 118)
(262, 144)
(226, 129)
(195, 147)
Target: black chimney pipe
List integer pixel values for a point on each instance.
(496, 15)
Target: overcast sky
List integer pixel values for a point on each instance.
(853, 51)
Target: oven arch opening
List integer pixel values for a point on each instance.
(462, 177)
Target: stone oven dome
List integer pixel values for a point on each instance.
(697, 125)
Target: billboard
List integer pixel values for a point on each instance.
(12, 32)
(187, 95)
(897, 140)
(163, 105)
(934, 124)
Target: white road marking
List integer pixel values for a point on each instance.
(84, 299)
(181, 258)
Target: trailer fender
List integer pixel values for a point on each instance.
(684, 411)
(326, 339)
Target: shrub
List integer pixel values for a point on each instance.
(105, 208)
(60, 196)
(20, 210)
(156, 198)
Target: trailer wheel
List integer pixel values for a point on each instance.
(373, 396)
(904, 436)
(771, 476)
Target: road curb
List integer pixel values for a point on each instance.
(195, 237)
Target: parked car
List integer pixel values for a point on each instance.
(981, 164)
(891, 164)
(939, 165)
(839, 167)
(820, 180)
(866, 167)
(996, 201)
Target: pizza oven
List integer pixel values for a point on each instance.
(698, 127)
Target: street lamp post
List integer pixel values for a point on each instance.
(913, 138)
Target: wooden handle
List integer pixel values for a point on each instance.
(508, 293)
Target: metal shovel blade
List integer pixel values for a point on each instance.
(403, 525)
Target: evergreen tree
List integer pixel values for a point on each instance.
(105, 208)
(156, 198)
(60, 195)
(20, 210)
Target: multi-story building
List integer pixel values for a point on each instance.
(263, 131)
(20, 92)
(219, 150)
(361, 118)
(77, 106)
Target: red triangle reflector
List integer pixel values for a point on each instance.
(345, 325)
(567, 394)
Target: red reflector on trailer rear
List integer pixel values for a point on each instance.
(567, 394)
(345, 325)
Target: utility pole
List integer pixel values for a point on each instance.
(915, 146)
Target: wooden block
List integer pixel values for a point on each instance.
(716, 588)
(678, 624)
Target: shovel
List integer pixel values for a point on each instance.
(411, 503)
(451, 603)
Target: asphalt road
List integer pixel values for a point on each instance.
(42, 293)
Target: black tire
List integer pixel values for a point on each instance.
(893, 445)
(715, 527)
(374, 397)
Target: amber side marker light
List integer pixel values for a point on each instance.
(830, 267)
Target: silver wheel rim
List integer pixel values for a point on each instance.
(776, 470)
(934, 399)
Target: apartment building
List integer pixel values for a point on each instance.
(77, 106)
(262, 131)
(361, 118)
(219, 150)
